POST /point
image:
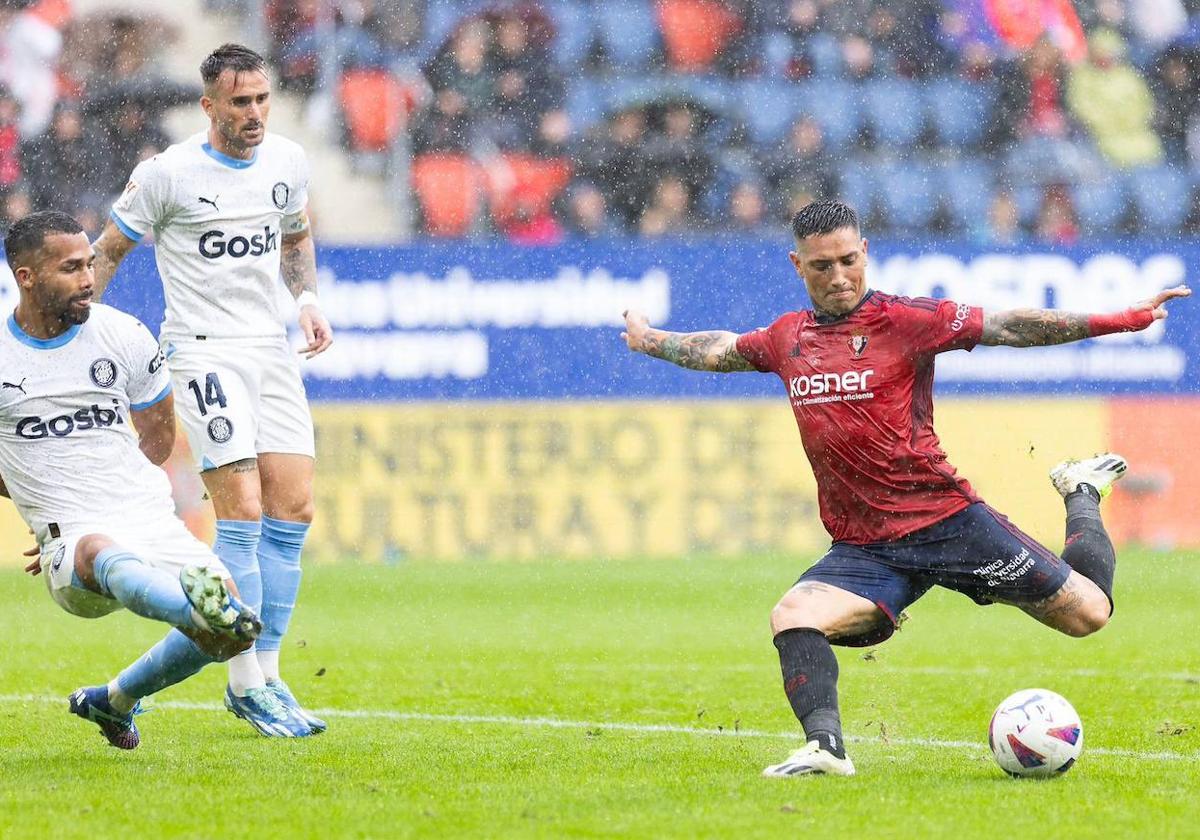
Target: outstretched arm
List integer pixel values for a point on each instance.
(1042, 327)
(715, 350)
(110, 249)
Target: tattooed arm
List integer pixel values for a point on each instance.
(110, 248)
(715, 350)
(1042, 327)
(298, 266)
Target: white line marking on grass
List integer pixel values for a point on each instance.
(882, 668)
(610, 726)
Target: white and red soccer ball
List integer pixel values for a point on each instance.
(1035, 732)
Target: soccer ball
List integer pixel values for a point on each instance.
(1035, 733)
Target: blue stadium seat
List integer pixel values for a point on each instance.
(628, 29)
(837, 106)
(574, 29)
(908, 195)
(585, 102)
(768, 108)
(1028, 198)
(825, 53)
(894, 112)
(959, 111)
(1162, 197)
(776, 52)
(967, 189)
(1100, 205)
(859, 186)
(441, 19)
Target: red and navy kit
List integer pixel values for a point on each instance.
(861, 387)
(902, 520)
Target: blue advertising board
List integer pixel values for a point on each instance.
(466, 321)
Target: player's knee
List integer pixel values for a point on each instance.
(788, 614)
(86, 549)
(1091, 616)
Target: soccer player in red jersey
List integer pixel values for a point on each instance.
(858, 369)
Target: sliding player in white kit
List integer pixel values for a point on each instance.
(227, 210)
(85, 414)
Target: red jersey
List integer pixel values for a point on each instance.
(861, 387)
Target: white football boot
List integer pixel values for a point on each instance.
(1100, 472)
(811, 760)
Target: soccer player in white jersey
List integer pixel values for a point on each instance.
(227, 210)
(86, 412)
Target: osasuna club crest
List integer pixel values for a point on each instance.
(858, 343)
(103, 373)
(220, 429)
(279, 194)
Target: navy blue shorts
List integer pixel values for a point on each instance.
(977, 552)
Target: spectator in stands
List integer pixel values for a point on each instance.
(1056, 222)
(29, 50)
(670, 210)
(858, 55)
(1002, 226)
(1114, 103)
(586, 211)
(802, 24)
(907, 31)
(462, 90)
(531, 223)
(802, 163)
(747, 211)
(17, 206)
(525, 84)
(129, 136)
(10, 142)
(1176, 90)
(677, 148)
(614, 157)
(1031, 120)
(66, 165)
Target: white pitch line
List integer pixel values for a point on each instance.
(611, 726)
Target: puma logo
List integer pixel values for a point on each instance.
(20, 386)
(212, 201)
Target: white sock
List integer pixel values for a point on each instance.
(121, 702)
(244, 673)
(268, 661)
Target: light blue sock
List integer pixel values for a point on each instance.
(172, 660)
(141, 588)
(237, 547)
(279, 559)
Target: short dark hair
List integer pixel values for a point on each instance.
(29, 234)
(235, 57)
(821, 217)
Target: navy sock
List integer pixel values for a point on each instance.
(810, 673)
(1088, 550)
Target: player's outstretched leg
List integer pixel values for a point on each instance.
(810, 673)
(1083, 483)
(143, 589)
(279, 561)
(112, 707)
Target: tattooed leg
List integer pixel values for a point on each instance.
(1078, 608)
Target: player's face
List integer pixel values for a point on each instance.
(238, 104)
(59, 278)
(833, 267)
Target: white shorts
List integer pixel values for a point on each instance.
(169, 546)
(239, 399)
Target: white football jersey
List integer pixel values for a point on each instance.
(68, 451)
(217, 223)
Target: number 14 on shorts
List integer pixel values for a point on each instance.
(210, 395)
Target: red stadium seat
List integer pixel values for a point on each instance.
(375, 104)
(447, 188)
(695, 31)
(527, 180)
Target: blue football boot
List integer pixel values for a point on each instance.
(288, 699)
(92, 704)
(262, 709)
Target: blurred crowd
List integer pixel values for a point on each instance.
(81, 102)
(997, 121)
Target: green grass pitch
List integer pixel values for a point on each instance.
(606, 699)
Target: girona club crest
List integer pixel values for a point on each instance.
(858, 343)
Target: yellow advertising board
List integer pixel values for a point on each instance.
(620, 479)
